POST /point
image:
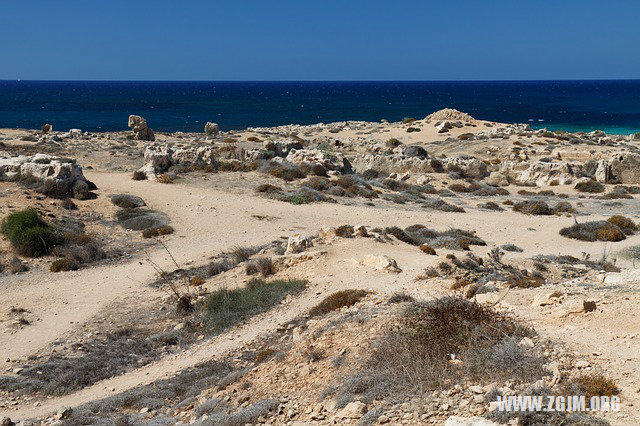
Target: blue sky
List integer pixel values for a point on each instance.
(319, 40)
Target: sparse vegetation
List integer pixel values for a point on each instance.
(164, 178)
(28, 233)
(594, 231)
(264, 266)
(157, 231)
(590, 186)
(592, 385)
(338, 300)
(139, 175)
(225, 308)
(447, 341)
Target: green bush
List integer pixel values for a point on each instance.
(28, 233)
(225, 308)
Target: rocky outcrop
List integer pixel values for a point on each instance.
(140, 129)
(401, 163)
(56, 176)
(623, 168)
(211, 130)
(316, 157)
(159, 158)
(539, 173)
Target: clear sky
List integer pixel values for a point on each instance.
(319, 39)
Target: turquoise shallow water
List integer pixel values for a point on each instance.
(612, 106)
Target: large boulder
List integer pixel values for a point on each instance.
(140, 129)
(211, 130)
(55, 176)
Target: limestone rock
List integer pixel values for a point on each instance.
(159, 158)
(211, 130)
(353, 410)
(298, 244)
(62, 174)
(140, 129)
(381, 263)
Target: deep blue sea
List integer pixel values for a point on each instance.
(613, 106)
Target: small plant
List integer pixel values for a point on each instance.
(408, 120)
(263, 265)
(268, 188)
(426, 248)
(594, 231)
(139, 175)
(627, 225)
(337, 300)
(157, 231)
(65, 264)
(590, 186)
(592, 385)
(28, 233)
(344, 231)
(164, 178)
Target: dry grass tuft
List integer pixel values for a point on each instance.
(164, 178)
(157, 231)
(592, 385)
(338, 300)
(426, 248)
(590, 186)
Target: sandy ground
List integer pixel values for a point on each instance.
(210, 218)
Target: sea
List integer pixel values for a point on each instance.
(170, 106)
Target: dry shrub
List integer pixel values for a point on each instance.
(338, 300)
(592, 385)
(627, 225)
(237, 166)
(590, 186)
(344, 231)
(197, 281)
(265, 355)
(157, 231)
(268, 188)
(415, 353)
(253, 139)
(263, 265)
(532, 281)
(68, 204)
(66, 264)
(164, 178)
(287, 173)
(594, 231)
(426, 248)
(229, 140)
(533, 208)
(139, 175)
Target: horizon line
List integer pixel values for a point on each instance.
(320, 81)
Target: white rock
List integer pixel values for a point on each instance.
(297, 244)
(381, 263)
(211, 129)
(353, 410)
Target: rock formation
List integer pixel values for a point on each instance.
(140, 129)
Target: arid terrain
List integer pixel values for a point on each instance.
(342, 273)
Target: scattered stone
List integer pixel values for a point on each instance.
(297, 244)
